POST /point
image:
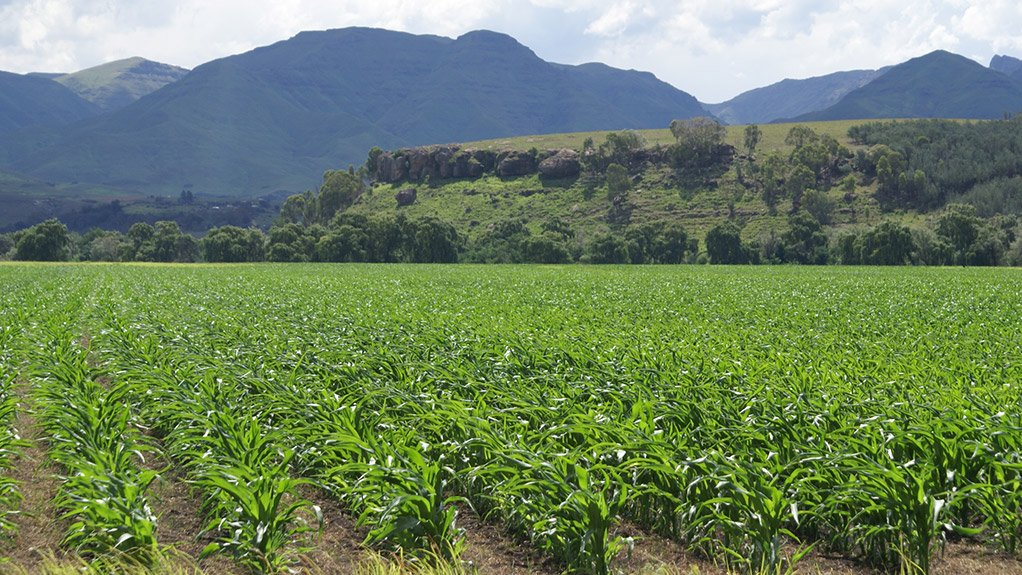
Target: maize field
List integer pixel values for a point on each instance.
(759, 418)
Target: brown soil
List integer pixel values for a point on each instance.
(969, 559)
(39, 526)
(493, 551)
(178, 518)
(337, 548)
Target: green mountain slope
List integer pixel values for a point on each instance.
(790, 98)
(27, 101)
(277, 116)
(937, 85)
(114, 85)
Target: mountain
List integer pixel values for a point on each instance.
(31, 101)
(116, 84)
(278, 116)
(1008, 66)
(790, 98)
(937, 85)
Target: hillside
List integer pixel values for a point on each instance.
(114, 85)
(937, 85)
(790, 98)
(276, 117)
(477, 206)
(31, 101)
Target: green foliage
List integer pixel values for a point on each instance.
(751, 137)
(606, 249)
(46, 242)
(801, 412)
(340, 189)
(697, 141)
(232, 244)
(618, 182)
(804, 241)
(971, 240)
(888, 244)
(724, 245)
(953, 157)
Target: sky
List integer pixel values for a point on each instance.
(713, 49)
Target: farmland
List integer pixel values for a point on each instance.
(579, 419)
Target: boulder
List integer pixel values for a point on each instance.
(563, 164)
(406, 197)
(516, 164)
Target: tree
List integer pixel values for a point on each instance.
(618, 182)
(6, 245)
(431, 240)
(340, 189)
(296, 209)
(108, 247)
(771, 178)
(959, 226)
(801, 136)
(344, 244)
(170, 245)
(888, 244)
(804, 241)
(819, 204)
(289, 243)
(752, 137)
(48, 241)
(724, 245)
(799, 180)
(697, 141)
(142, 237)
(619, 147)
(233, 244)
(607, 249)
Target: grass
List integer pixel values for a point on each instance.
(773, 137)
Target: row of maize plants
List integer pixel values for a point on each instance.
(9, 440)
(753, 415)
(253, 507)
(91, 434)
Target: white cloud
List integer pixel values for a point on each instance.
(711, 48)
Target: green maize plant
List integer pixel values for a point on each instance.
(566, 509)
(753, 515)
(404, 500)
(1001, 503)
(892, 516)
(258, 526)
(9, 442)
(91, 436)
(753, 415)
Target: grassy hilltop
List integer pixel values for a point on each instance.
(474, 205)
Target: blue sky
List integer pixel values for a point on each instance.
(713, 49)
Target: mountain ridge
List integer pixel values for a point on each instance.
(936, 85)
(277, 116)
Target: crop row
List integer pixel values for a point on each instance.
(562, 437)
(752, 415)
(9, 494)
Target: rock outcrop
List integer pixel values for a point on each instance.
(406, 197)
(563, 164)
(516, 164)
